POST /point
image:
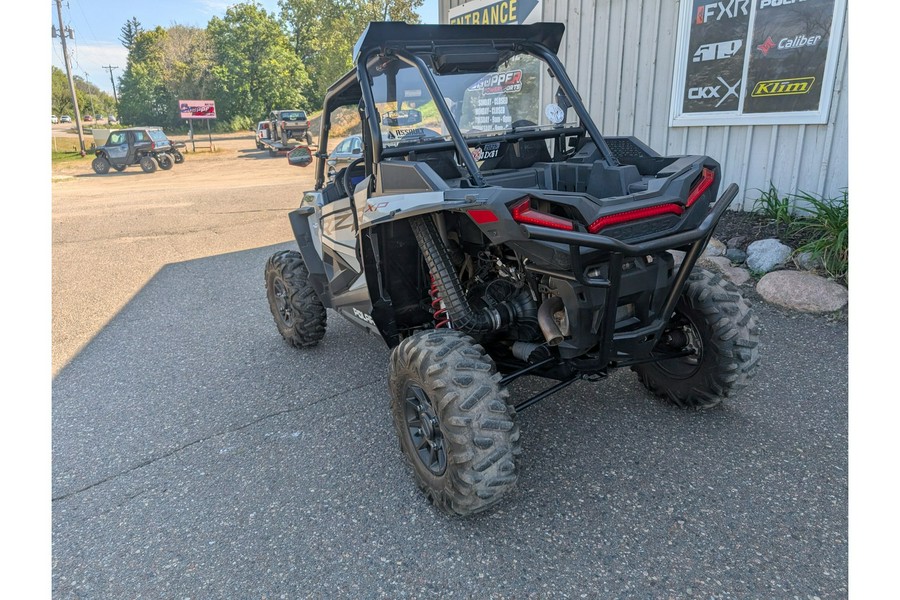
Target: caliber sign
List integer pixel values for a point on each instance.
(494, 12)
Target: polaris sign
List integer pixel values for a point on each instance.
(494, 12)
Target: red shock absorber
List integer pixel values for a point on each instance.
(440, 313)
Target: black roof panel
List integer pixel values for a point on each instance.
(396, 34)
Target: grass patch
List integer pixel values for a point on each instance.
(67, 157)
(827, 224)
(778, 209)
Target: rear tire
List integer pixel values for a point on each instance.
(712, 318)
(456, 429)
(148, 165)
(298, 312)
(179, 157)
(165, 162)
(100, 165)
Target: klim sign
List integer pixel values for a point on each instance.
(492, 12)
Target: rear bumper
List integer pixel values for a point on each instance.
(634, 345)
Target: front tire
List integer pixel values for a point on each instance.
(714, 320)
(148, 165)
(298, 312)
(456, 429)
(100, 165)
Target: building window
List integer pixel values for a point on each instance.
(756, 62)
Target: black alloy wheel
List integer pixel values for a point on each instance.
(424, 429)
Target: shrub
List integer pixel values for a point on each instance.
(778, 209)
(828, 227)
(238, 123)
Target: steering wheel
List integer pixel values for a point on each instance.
(346, 178)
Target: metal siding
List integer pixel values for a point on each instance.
(621, 56)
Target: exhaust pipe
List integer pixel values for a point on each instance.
(547, 322)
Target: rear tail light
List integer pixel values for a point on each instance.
(153, 145)
(523, 212)
(635, 215)
(707, 176)
(483, 216)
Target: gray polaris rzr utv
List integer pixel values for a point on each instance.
(489, 231)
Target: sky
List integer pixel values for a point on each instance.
(98, 23)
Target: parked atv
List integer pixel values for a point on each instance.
(176, 151)
(144, 146)
(489, 231)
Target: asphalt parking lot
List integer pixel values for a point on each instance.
(196, 455)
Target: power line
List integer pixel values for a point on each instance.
(62, 37)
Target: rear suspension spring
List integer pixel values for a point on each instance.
(437, 307)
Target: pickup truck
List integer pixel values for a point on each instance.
(287, 124)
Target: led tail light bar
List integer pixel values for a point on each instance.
(523, 212)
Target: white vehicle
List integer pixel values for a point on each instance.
(262, 133)
(54, 119)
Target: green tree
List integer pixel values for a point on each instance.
(144, 98)
(91, 99)
(323, 33)
(255, 68)
(130, 30)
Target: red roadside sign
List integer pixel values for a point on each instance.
(197, 109)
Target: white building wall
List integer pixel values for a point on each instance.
(621, 56)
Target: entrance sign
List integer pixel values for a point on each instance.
(496, 12)
(756, 62)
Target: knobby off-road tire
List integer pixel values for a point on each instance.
(179, 157)
(456, 429)
(298, 312)
(720, 326)
(100, 165)
(148, 165)
(165, 162)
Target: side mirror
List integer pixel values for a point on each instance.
(300, 157)
(356, 150)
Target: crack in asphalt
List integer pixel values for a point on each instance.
(209, 437)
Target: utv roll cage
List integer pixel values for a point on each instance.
(450, 49)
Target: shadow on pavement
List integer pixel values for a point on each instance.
(196, 454)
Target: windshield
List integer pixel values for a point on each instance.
(517, 95)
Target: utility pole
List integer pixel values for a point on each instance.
(110, 69)
(62, 36)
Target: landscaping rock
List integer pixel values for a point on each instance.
(736, 255)
(721, 264)
(765, 255)
(714, 248)
(737, 242)
(802, 291)
(807, 261)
